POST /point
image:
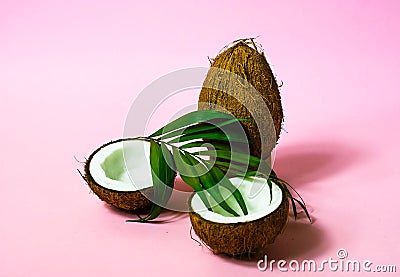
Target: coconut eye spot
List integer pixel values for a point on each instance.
(114, 165)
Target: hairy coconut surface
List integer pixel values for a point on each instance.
(245, 234)
(225, 93)
(107, 175)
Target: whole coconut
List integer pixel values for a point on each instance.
(240, 81)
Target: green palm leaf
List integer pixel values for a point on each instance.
(204, 126)
(189, 119)
(226, 150)
(235, 169)
(188, 175)
(163, 178)
(209, 183)
(237, 157)
(226, 183)
(200, 143)
(216, 135)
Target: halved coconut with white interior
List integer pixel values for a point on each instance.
(108, 177)
(244, 234)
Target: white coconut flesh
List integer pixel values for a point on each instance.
(256, 194)
(109, 166)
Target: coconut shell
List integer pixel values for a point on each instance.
(241, 238)
(249, 65)
(126, 200)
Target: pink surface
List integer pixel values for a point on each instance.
(69, 71)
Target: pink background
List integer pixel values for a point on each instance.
(69, 71)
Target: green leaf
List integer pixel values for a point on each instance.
(284, 186)
(154, 212)
(202, 127)
(189, 119)
(209, 183)
(188, 175)
(231, 166)
(240, 158)
(199, 129)
(225, 182)
(270, 190)
(217, 135)
(200, 143)
(236, 170)
(163, 176)
(303, 206)
(293, 206)
(161, 161)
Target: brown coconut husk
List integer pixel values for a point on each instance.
(243, 59)
(237, 239)
(130, 201)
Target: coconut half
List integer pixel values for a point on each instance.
(108, 177)
(244, 234)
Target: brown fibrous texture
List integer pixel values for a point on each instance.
(246, 238)
(253, 72)
(130, 201)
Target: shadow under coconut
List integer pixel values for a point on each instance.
(299, 165)
(178, 203)
(304, 163)
(300, 240)
(164, 217)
